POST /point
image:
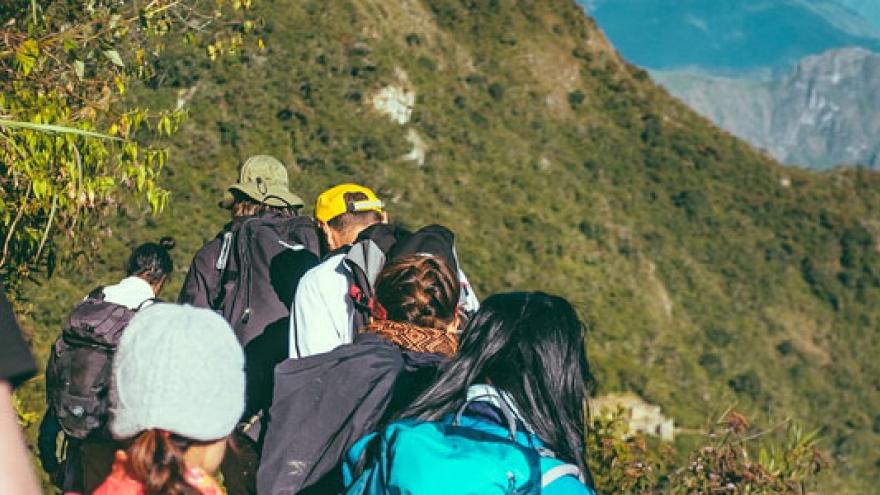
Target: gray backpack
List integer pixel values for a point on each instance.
(79, 368)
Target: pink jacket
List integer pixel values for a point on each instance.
(121, 483)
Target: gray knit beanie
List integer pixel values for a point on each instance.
(180, 369)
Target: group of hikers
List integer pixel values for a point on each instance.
(334, 354)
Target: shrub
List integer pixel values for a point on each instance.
(732, 458)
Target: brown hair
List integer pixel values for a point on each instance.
(156, 460)
(419, 289)
(352, 219)
(244, 206)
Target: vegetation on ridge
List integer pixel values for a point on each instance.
(71, 149)
(710, 275)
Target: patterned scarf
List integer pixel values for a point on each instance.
(414, 338)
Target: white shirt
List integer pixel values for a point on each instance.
(130, 292)
(322, 312)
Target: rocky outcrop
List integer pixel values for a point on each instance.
(822, 113)
(397, 102)
(639, 415)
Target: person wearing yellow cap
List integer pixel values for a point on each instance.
(322, 312)
(345, 210)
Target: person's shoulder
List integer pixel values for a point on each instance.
(317, 278)
(211, 245)
(326, 267)
(206, 256)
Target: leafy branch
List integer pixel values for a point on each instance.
(71, 146)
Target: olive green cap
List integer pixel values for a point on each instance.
(263, 179)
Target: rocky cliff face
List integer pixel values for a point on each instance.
(822, 113)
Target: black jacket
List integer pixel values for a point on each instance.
(324, 403)
(275, 273)
(201, 287)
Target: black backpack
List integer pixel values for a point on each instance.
(261, 260)
(380, 243)
(79, 368)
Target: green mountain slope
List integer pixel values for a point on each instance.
(711, 275)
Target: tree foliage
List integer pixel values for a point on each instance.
(71, 149)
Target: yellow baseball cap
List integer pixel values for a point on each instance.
(331, 203)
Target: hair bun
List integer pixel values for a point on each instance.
(167, 242)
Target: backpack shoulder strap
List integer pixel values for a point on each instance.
(559, 471)
(223, 257)
(228, 242)
(147, 302)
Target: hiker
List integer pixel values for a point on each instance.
(16, 366)
(78, 371)
(178, 380)
(508, 411)
(327, 401)
(262, 190)
(248, 273)
(333, 299)
(322, 315)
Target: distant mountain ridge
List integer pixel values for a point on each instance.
(822, 113)
(793, 77)
(726, 37)
(868, 9)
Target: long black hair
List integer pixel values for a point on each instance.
(531, 345)
(151, 261)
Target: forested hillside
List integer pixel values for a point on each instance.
(711, 275)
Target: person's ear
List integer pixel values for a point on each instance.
(384, 217)
(330, 235)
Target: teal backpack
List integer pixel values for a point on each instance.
(458, 456)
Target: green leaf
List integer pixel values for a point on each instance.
(12, 124)
(80, 68)
(26, 55)
(69, 45)
(114, 57)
